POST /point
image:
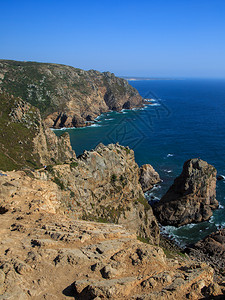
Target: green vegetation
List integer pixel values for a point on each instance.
(123, 180)
(72, 194)
(34, 83)
(50, 169)
(173, 254)
(106, 214)
(16, 138)
(59, 183)
(127, 151)
(113, 178)
(143, 239)
(74, 164)
(143, 201)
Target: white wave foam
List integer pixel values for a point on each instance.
(110, 119)
(168, 171)
(221, 206)
(156, 187)
(63, 128)
(211, 220)
(155, 104)
(94, 125)
(170, 155)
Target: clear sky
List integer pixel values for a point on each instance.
(155, 38)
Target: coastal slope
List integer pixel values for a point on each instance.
(67, 96)
(25, 141)
(56, 257)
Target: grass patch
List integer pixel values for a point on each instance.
(113, 178)
(143, 240)
(143, 201)
(59, 183)
(16, 138)
(73, 165)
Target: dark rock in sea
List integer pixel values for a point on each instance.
(220, 177)
(148, 177)
(191, 198)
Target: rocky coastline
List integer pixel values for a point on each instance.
(67, 96)
(80, 227)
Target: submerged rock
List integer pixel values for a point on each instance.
(148, 177)
(191, 198)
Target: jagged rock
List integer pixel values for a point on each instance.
(57, 256)
(212, 250)
(148, 177)
(105, 186)
(191, 198)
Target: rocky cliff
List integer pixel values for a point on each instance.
(66, 96)
(47, 255)
(103, 185)
(191, 198)
(25, 141)
(148, 177)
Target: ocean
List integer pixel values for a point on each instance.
(186, 120)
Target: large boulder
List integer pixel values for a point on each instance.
(191, 198)
(148, 177)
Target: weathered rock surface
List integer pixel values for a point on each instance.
(148, 177)
(66, 96)
(103, 185)
(47, 255)
(25, 141)
(191, 198)
(211, 250)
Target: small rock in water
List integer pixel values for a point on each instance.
(220, 177)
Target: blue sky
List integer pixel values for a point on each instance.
(172, 38)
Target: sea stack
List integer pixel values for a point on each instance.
(191, 198)
(148, 177)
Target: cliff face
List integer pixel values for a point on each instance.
(191, 198)
(25, 141)
(103, 185)
(148, 177)
(54, 256)
(66, 96)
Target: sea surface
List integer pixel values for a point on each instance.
(186, 120)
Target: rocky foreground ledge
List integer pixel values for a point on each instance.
(46, 255)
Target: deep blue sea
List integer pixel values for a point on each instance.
(187, 120)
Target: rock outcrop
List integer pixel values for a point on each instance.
(103, 185)
(47, 255)
(191, 198)
(211, 250)
(25, 141)
(148, 177)
(66, 96)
